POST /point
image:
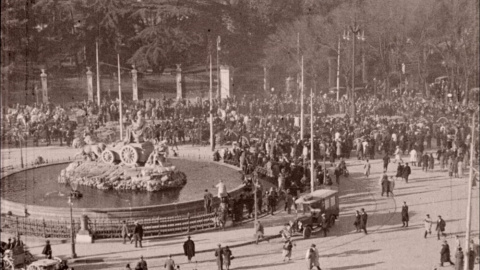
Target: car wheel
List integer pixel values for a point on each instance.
(307, 232)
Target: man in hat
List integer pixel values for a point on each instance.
(207, 201)
(47, 250)
(440, 228)
(138, 234)
(312, 258)
(445, 254)
(169, 263)
(142, 264)
(189, 249)
(324, 224)
(363, 221)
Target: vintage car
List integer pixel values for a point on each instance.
(317, 211)
(45, 264)
(16, 257)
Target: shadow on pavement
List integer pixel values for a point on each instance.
(366, 266)
(351, 252)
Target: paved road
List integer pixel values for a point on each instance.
(387, 246)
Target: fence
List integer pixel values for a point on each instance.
(110, 228)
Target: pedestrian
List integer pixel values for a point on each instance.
(142, 264)
(471, 258)
(363, 221)
(460, 166)
(397, 154)
(459, 259)
(406, 172)
(457, 241)
(259, 232)
(312, 258)
(440, 228)
(384, 183)
(127, 267)
(47, 250)
(405, 217)
(425, 160)
(431, 162)
(189, 249)
(392, 185)
(287, 250)
(413, 157)
(386, 161)
(366, 168)
(125, 232)
(169, 263)
(138, 234)
(358, 221)
(227, 257)
(207, 201)
(445, 254)
(399, 170)
(219, 257)
(324, 224)
(427, 222)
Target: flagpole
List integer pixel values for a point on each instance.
(211, 104)
(469, 190)
(312, 173)
(98, 74)
(218, 69)
(338, 71)
(301, 105)
(120, 98)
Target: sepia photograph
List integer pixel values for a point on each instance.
(240, 134)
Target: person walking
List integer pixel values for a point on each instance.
(397, 154)
(425, 160)
(169, 263)
(386, 161)
(440, 228)
(287, 250)
(431, 162)
(413, 157)
(399, 170)
(459, 259)
(219, 257)
(227, 257)
(391, 184)
(427, 222)
(358, 221)
(313, 258)
(259, 232)
(142, 264)
(189, 249)
(406, 172)
(445, 254)
(405, 217)
(47, 250)
(207, 201)
(366, 168)
(125, 232)
(363, 221)
(384, 183)
(138, 234)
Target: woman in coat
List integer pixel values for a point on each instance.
(459, 259)
(227, 257)
(399, 170)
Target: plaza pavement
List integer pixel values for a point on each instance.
(387, 246)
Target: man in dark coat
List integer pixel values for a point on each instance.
(207, 201)
(385, 183)
(425, 160)
(441, 227)
(406, 172)
(363, 221)
(138, 234)
(445, 254)
(219, 255)
(405, 214)
(386, 161)
(189, 249)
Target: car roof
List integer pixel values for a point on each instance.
(315, 196)
(45, 262)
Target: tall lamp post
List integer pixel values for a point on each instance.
(355, 30)
(72, 230)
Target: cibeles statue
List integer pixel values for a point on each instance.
(135, 130)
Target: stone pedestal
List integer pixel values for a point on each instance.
(225, 82)
(179, 83)
(134, 84)
(83, 235)
(43, 78)
(89, 84)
